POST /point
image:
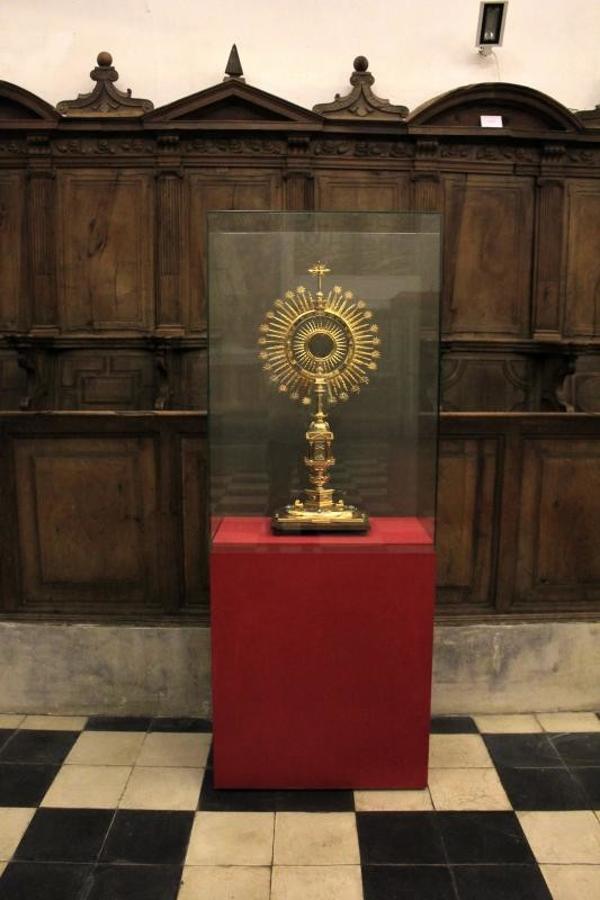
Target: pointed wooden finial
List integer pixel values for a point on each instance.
(233, 68)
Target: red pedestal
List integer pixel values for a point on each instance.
(321, 656)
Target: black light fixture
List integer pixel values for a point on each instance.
(490, 27)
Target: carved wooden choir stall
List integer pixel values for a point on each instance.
(103, 332)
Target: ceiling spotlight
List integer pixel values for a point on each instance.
(490, 26)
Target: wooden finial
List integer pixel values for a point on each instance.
(233, 68)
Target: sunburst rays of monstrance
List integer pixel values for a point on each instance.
(323, 347)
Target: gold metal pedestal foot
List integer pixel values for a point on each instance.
(292, 519)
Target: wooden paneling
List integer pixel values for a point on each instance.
(109, 515)
(87, 520)
(11, 249)
(558, 561)
(241, 189)
(106, 251)
(355, 191)
(494, 382)
(582, 312)
(467, 516)
(102, 379)
(487, 255)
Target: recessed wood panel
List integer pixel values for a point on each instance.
(488, 231)
(87, 520)
(558, 560)
(106, 251)
(13, 381)
(242, 189)
(194, 487)
(11, 244)
(473, 382)
(582, 305)
(361, 191)
(99, 379)
(466, 516)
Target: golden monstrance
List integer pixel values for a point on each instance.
(321, 347)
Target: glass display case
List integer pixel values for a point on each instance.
(323, 369)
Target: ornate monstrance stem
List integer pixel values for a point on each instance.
(319, 345)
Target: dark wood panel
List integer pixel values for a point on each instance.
(354, 191)
(106, 251)
(558, 563)
(105, 379)
(487, 255)
(467, 522)
(582, 308)
(241, 189)
(11, 250)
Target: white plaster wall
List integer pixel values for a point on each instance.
(301, 50)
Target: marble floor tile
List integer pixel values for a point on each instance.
(168, 788)
(184, 750)
(106, 748)
(565, 721)
(467, 789)
(522, 723)
(231, 839)
(13, 824)
(573, 882)
(304, 839)
(53, 723)
(451, 751)
(87, 787)
(316, 883)
(571, 836)
(225, 883)
(392, 801)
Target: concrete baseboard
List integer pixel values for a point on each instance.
(165, 671)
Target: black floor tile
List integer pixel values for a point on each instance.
(24, 785)
(542, 789)
(135, 883)
(137, 836)
(522, 750)
(578, 749)
(315, 801)
(237, 800)
(393, 838)
(38, 747)
(483, 837)
(5, 735)
(453, 725)
(219, 800)
(65, 835)
(181, 725)
(43, 881)
(500, 883)
(407, 883)
(589, 778)
(118, 723)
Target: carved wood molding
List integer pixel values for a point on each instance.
(105, 99)
(361, 102)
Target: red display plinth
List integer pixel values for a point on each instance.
(321, 656)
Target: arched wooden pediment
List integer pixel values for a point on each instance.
(231, 101)
(522, 109)
(19, 105)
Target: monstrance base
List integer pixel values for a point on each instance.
(297, 518)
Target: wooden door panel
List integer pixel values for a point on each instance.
(11, 248)
(558, 561)
(582, 305)
(242, 189)
(467, 522)
(106, 251)
(87, 520)
(488, 230)
(361, 191)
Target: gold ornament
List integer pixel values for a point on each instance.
(323, 346)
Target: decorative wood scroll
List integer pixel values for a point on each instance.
(361, 101)
(105, 99)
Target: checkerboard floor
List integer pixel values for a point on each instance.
(107, 808)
